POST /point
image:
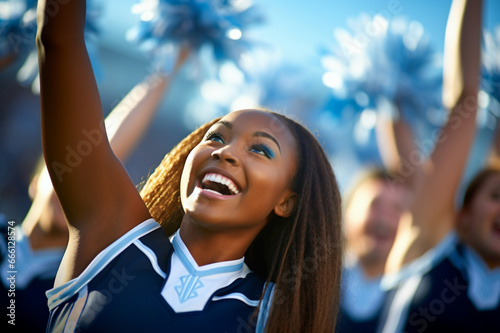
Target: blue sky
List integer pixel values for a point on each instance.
(298, 28)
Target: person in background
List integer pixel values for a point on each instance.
(443, 271)
(373, 209)
(394, 194)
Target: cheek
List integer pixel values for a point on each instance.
(395, 218)
(353, 232)
(495, 209)
(484, 211)
(360, 212)
(477, 220)
(187, 177)
(355, 223)
(269, 186)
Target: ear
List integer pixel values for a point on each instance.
(287, 204)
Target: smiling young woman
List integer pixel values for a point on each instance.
(296, 249)
(249, 208)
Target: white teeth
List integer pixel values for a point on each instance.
(221, 180)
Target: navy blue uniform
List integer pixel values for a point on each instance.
(145, 283)
(24, 284)
(450, 290)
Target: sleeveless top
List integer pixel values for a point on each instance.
(449, 289)
(145, 282)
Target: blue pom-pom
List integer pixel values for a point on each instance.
(17, 37)
(379, 67)
(17, 31)
(490, 82)
(291, 88)
(222, 24)
(385, 63)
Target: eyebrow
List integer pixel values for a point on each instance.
(225, 123)
(256, 134)
(269, 136)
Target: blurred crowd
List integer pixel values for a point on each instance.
(377, 87)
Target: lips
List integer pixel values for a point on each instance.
(219, 183)
(381, 232)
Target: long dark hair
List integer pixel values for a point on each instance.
(300, 254)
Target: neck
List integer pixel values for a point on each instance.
(211, 246)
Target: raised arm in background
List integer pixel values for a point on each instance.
(432, 211)
(395, 140)
(130, 119)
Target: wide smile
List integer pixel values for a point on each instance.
(217, 186)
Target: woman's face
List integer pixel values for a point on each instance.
(240, 172)
(480, 222)
(372, 219)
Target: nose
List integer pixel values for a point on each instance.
(226, 154)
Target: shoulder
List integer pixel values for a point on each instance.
(127, 252)
(423, 264)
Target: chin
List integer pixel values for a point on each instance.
(204, 219)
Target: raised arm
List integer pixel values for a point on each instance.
(97, 196)
(399, 153)
(432, 212)
(125, 126)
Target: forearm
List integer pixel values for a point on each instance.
(398, 151)
(434, 208)
(462, 52)
(130, 119)
(73, 136)
(461, 82)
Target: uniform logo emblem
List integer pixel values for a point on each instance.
(187, 289)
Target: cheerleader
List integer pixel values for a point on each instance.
(238, 229)
(442, 274)
(373, 209)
